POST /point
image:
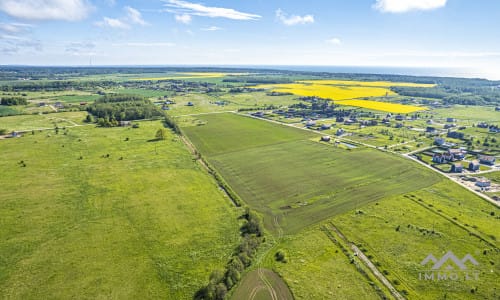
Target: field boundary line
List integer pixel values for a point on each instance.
(368, 263)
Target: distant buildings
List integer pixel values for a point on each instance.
(456, 168)
(487, 159)
(483, 183)
(474, 166)
(455, 135)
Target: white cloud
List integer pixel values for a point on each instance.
(112, 23)
(15, 27)
(67, 10)
(211, 28)
(134, 16)
(184, 18)
(334, 41)
(402, 6)
(293, 19)
(10, 44)
(148, 44)
(195, 9)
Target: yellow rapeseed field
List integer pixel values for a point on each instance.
(345, 92)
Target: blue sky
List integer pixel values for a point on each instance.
(405, 33)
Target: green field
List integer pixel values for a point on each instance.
(38, 121)
(472, 114)
(316, 268)
(253, 287)
(145, 222)
(278, 171)
(400, 231)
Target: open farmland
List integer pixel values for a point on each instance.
(281, 173)
(399, 232)
(105, 213)
(344, 92)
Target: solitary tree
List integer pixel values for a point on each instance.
(161, 133)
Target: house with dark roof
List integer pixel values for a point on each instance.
(474, 166)
(483, 182)
(455, 135)
(457, 154)
(456, 168)
(487, 159)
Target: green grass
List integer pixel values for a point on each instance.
(8, 110)
(279, 173)
(33, 122)
(316, 268)
(145, 222)
(472, 114)
(253, 287)
(400, 251)
(229, 132)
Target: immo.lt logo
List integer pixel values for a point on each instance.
(449, 267)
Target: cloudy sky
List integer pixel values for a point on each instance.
(406, 33)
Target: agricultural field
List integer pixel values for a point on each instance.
(348, 93)
(399, 232)
(266, 165)
(42, 121)
(108, 213)
(316, 268)
(469, 114)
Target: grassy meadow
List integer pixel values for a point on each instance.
(95, 213)
(37, 121)
(278, 171)
(400, 231)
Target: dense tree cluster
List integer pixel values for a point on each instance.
(110, 109)
(453, 94)
(221, 281)
(13, 101)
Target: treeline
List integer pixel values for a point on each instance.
(9, 101)
(452, 94)
(111, 109)
(221, 281)
(258, 80)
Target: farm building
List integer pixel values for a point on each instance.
(456, 168)
(483, 183)
(487, 159)
(325, 138)
(474, 165)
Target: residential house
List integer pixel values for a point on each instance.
(474, 166)
(190, 103)
(399, 118)
(439, 141)
(457, 154)
(482, 183)
(59, 105)
(455, 135)
(430, 129)
(438, 158)
(456, 168)
(450, 120)
(326, 126)
(482, 125)
(325, 138)
(487, 159)
(340, 132)
(125, 123)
